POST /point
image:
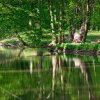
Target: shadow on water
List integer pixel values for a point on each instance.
(34, 74)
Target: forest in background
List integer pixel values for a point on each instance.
(34, 21)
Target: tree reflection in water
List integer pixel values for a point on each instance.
(52, 77)
(87, 77)
(54, 66)
(85, 84)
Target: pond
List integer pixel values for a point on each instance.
(35, 74)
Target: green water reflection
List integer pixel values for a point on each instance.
(35, 74)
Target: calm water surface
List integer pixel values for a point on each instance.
(35, 74)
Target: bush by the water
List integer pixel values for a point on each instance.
(76, 47)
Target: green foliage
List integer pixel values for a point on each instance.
(12, 41)
(87, 47)
(75, 47)
(58, 46)
(16, 14)
(70, 47)
(98, 46)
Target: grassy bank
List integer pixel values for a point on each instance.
(92, 40)
(89, 49)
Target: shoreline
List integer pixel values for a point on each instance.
(79, 52)
(65, 49)
(81, 49)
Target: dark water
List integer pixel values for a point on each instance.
(34, 74)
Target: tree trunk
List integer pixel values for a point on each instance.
(85, 31)
(52, 21)
(40, 16)
(30, 16)
(87, 11)
(71, 33)
(85, 26)
(30, 22)
(20, 39)
(60, 37)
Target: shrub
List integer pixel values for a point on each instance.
(76, 47)
(98, 46)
